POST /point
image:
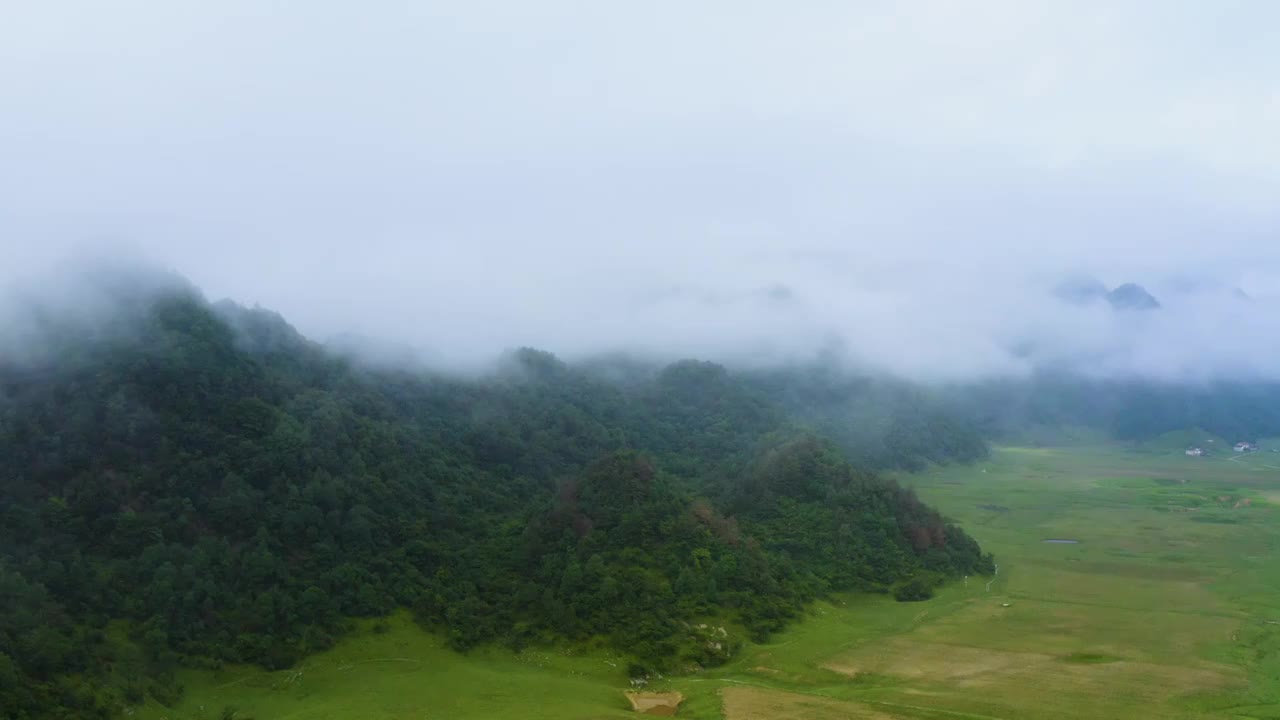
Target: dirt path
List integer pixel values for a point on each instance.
(1237, 460)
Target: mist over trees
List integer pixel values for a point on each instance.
(1132, 409)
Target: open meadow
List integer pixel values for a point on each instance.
(1160, 599)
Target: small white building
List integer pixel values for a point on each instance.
(1195, 452)
(1245, 447)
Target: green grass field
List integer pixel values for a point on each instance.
(1166, 606)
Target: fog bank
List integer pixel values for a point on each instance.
(898, 186)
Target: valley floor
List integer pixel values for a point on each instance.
(1167, 605)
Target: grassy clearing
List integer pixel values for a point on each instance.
(1168, 606)
(404, 672)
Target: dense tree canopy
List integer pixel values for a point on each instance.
(188, 483)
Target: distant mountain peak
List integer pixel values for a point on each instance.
(1131, 296)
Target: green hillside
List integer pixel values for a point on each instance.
(190, 485)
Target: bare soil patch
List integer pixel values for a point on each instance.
(653, 703)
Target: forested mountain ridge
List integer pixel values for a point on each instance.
(195, 483)
(1130, 409)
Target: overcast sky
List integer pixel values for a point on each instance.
(746, 179)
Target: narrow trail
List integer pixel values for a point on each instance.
(1237, 460)
(933, 710)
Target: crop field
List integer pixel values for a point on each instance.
(1165, 605)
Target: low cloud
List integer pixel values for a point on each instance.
(901, 187)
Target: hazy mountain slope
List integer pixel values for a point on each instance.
(1125, 409)
(880, 421)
